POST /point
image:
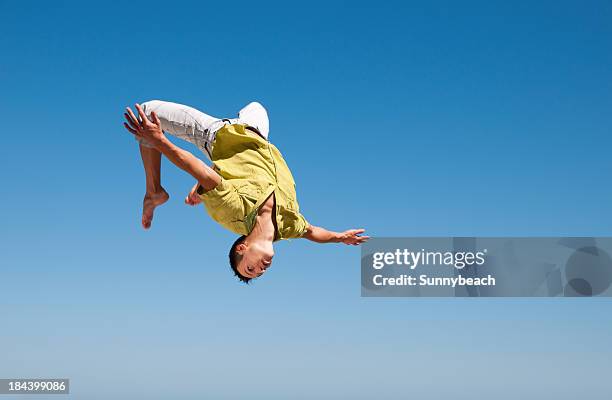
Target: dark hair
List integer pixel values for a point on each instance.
(234, 259)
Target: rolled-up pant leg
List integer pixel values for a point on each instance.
(183, 122)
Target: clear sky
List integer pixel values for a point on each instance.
(408, 119)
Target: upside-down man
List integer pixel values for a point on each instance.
(249, 190)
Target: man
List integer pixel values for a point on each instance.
(249, 189)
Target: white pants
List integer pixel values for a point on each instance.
(200, 129)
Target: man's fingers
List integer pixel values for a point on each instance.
(358, 231)
(132, 116)
(129, 128)
(130, 121)
(155, 118)
(142, 114)
(357, 240)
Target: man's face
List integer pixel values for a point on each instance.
(256, 258)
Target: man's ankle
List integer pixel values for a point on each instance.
(153, 190)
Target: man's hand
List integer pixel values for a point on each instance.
(192, 198)
(143, 128)
(352, 236)
(322, 235)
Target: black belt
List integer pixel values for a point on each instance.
(249, 127)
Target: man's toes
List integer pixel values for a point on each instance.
(150, 202)
(146, 221)
(147, 217)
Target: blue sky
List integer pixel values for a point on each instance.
(408, 119)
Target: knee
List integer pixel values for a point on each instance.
(150, 105)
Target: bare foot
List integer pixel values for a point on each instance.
(193, 198)
(152, 200)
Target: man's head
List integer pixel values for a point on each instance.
(249, 259)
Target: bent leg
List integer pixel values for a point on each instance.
(151, 161)
(184, 122)
(155, 194)
(255, 115)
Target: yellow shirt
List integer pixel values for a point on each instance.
(251, 169)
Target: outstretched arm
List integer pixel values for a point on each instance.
(322, 235)
(151, 131)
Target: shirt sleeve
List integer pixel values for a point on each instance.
(298, 229)
(224, 205)
(304, 225)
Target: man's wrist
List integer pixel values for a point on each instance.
(162, 143)
(337, 237)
